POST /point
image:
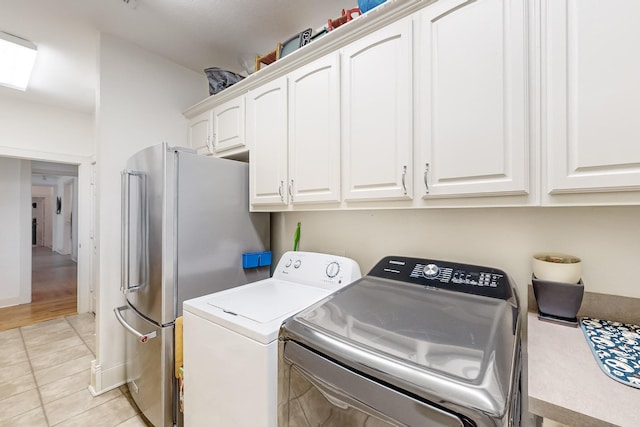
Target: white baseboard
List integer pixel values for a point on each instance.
(10, 302)
(103, 381)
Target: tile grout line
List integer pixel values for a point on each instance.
(33, 373)
(85, 411)
(88, 409)
(78, 333)
(29, 358)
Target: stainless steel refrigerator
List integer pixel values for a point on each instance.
(185, 225)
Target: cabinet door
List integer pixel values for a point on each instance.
(200, 131)
(472, 105)
(228, 125)
(377, 114)
(267, 137)
(591, 90)
(314, 132)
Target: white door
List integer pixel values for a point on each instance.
(591, 87)
(314, 131)
(472, 117)
(266, 127)
(228, 125)
(377, 114)
(200, 132)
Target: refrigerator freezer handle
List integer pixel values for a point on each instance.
(143, 338)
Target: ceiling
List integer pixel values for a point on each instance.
(194, 33)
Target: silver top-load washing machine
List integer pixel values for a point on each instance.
(416, 342)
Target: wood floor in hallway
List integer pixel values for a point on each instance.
(53, 291)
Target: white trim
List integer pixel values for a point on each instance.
(10, 302)
(104, 381)
(45, 156)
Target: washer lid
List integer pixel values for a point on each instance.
(267, 302)
(436, 343)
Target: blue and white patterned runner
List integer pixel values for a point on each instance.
(616, 347)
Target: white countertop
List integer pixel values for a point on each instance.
(567, 385)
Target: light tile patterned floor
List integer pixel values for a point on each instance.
(44, 375)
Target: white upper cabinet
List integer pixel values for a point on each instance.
(472, 110)
(591, 90)
(314, 132)
(200, 131)
(266, 127)
(377, 115)
(228, 125)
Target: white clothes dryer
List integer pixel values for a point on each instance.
(231, 339)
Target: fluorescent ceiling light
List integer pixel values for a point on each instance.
(17, 57)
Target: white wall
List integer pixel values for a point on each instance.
(606, 238)
(15, 237)
(35, 128)
(140, 103)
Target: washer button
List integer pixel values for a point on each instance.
(297, 264)
(288, 264)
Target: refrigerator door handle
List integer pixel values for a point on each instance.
(124, 229)
(143, 338)
(125, 284)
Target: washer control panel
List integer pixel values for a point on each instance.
(471, 279)
(317, 269)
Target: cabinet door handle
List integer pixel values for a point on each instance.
(291, 191)
(209, 144)
(404, 174)
(280, 191)
(213, 140)
(426, 172)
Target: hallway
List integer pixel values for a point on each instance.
(53, 291)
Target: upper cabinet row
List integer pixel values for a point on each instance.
(452, 105)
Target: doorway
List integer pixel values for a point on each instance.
(54, 246)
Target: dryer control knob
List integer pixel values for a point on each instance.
(430, 271)
(333, 269)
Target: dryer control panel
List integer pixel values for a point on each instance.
(471, 279)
